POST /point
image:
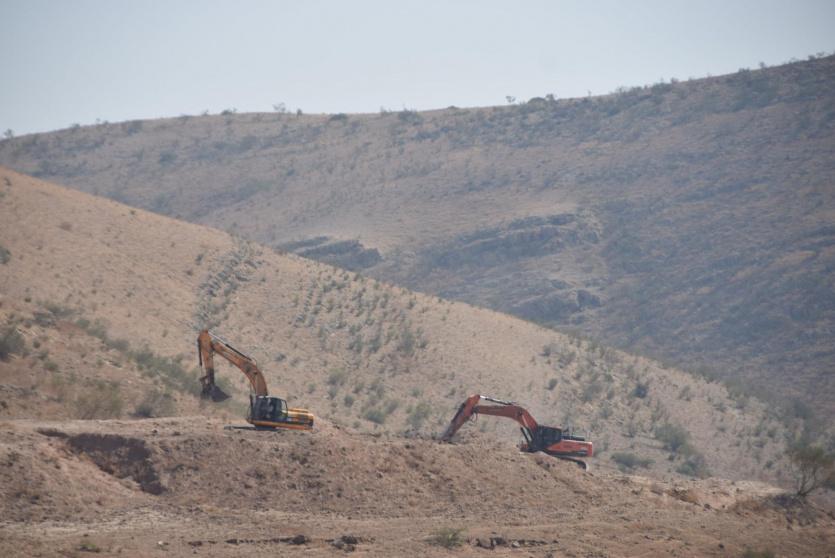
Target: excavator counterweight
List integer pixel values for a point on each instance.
(553, 441)
(265, 412)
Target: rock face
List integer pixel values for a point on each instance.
(518, 268)
(121, 457)
(347, 254)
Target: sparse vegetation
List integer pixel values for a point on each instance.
(88, 546)
(694, 465)
(375, 415)
(674, 437)
(630, 461)
(11, 342)
(448, 537)
(641, 390)
(99, 401)
(813, 468)
(337, 378)
(591, 391)
(155, 404)
(418, 415)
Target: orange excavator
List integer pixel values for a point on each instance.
(265, 412)
(556, 442)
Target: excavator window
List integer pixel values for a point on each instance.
(550, 435)
(280, 408)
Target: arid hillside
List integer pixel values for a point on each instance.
(689, 220)
(101, 304)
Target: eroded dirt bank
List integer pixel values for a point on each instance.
(187, 486)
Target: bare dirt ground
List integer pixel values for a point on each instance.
(188, 486)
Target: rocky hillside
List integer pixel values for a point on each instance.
(101, 304)
(688, 220)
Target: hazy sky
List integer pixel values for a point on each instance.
(78, 61)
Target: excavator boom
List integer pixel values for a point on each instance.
(471, 406)
(207, 345)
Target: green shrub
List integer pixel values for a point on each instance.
(169, 370)
(348, 400)
(11, 342)
(552, 383)
(407, 341)
(101, 401)
(96, 329)
(391, 406)
(58, 310)
(591, 391)
(167, 157)
(155, 404)
(447, 537)
(377, 388)
(44, 319)
(375, 415)
(813, 468)
(674, 437)
(418, 415)
(337, 378)
(5, 255)
(694, 466)
(120, 345)
(641, 390)
(630, 461)
(88, 546)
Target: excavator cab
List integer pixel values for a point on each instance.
(267, 412)
(266, 408)
(541, 437)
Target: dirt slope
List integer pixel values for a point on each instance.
(105, 301)
(687, 220)
(186, 486)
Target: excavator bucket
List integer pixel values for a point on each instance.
(214, 393)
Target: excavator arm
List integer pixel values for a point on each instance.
(504, 409)
(208, 345)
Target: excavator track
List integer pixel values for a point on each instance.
(579, 462)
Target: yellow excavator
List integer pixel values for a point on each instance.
(265, 412)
